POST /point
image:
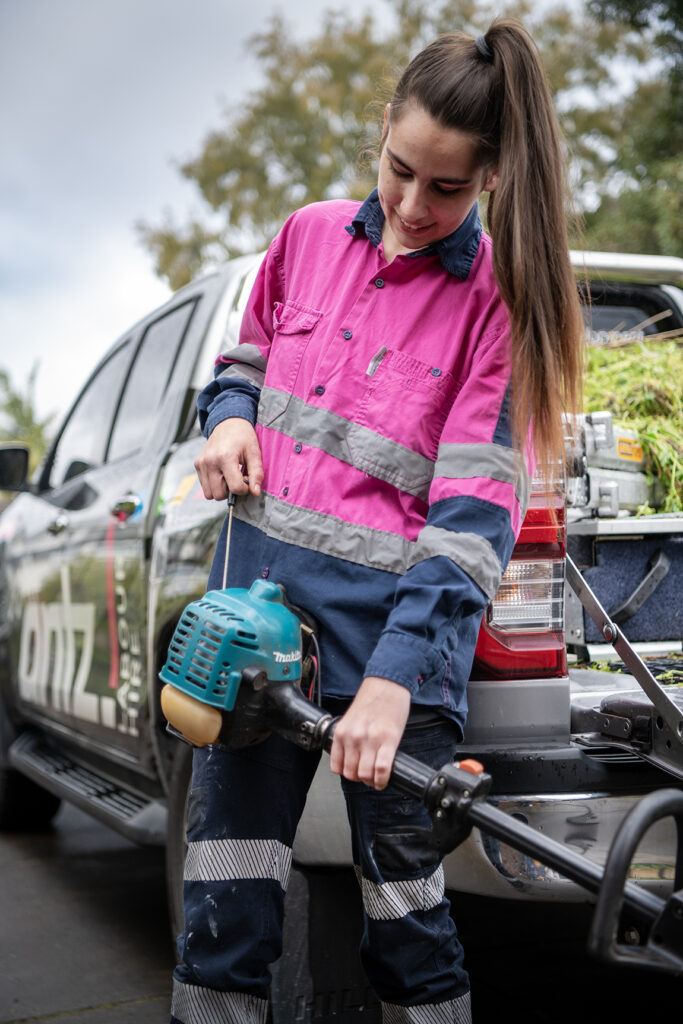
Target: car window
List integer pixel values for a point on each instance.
(233, 320)
(83, 441)
(223, 332)
(147, 381)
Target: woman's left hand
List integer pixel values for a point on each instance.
(366, 738)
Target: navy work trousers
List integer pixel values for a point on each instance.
(243, 813)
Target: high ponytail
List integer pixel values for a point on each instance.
(494, 88)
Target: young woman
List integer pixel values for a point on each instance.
(396, 370)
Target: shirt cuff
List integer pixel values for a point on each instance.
(236, 405)
(405, 660)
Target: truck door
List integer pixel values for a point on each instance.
(54, 620)
(82, 637)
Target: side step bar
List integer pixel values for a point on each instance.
(138, 817)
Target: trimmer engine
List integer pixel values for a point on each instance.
(223, 637)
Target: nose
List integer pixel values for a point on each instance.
(413, 206)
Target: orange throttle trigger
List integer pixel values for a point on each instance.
(471, 766)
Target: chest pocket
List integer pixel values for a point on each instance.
(293, 324)
(400, 419)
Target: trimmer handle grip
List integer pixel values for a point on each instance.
(447, 792)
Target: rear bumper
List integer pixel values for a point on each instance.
(585, 822)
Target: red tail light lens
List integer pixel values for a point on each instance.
(522, 632)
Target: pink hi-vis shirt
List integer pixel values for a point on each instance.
(392, 495)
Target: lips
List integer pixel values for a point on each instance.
(414, 229)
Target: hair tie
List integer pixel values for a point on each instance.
(484, 48)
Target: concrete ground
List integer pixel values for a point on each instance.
(84, 934)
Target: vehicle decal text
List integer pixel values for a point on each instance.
(128, 655)
(125, 644)
(55, 656)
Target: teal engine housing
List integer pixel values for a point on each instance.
(226, 631)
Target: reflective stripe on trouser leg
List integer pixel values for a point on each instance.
(194, 1005)
(410, 948)
(453, 1011)
(242, 816)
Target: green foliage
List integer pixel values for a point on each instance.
(643, 212)
(310, 131)
(641, 386)
(295, 140)
(18, 420)
(665, 17)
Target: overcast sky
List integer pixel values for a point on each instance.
(101, 99)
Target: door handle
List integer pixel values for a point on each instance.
(127, 506)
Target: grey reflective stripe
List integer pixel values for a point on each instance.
(347, 441)
(376, 549)
(194, 1005)
(219, 860)
(318, 531)
(453, 1011)
(464, 461)
(391, 901)
(470, 551)
(248, 364)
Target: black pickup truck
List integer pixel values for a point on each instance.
(105, 546)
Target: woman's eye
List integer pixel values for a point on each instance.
(399, 174)
(444, 191)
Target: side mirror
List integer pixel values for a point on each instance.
(13, 467)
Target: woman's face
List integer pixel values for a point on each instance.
(428, 180)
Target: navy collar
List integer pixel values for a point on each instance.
(456, 251)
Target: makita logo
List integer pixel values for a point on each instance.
(281, 657)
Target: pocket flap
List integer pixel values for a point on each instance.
(294, 318)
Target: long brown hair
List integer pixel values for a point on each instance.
(495, 90)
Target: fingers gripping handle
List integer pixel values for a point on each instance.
(447, 792)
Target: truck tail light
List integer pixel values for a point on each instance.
(522, 631)
(530, 597)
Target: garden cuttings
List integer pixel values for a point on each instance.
(642, 386)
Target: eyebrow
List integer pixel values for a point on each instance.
(445, 181)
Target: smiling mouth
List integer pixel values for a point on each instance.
(410, 230)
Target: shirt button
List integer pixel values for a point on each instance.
(297, 447)
(379, 283)
(285, 491)
(347, 335)
(436, 372)
(320, 390)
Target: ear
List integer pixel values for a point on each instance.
(491, 180)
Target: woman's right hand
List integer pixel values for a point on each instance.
(231, 453)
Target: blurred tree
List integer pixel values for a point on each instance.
(298, 137)
(642, 211)
(665, 17)
(18, 419)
